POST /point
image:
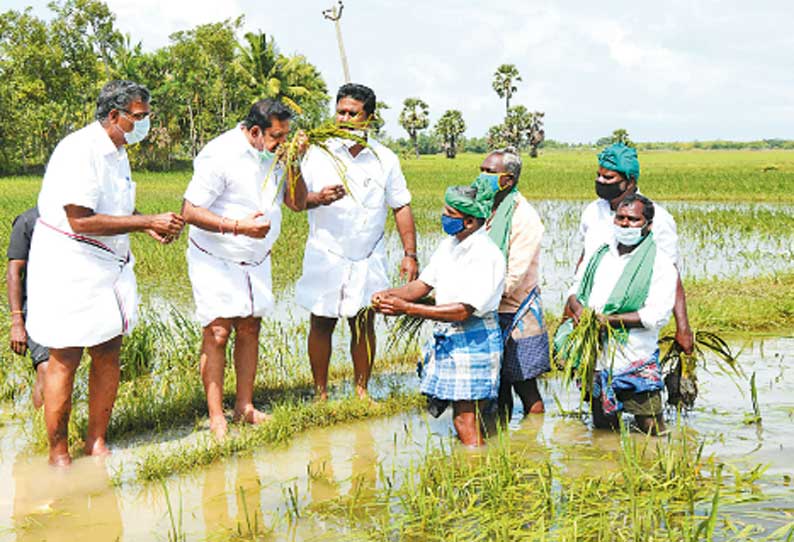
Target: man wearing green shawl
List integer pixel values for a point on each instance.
(460, 363)
(617, 177)
(631, 286)
(517, 230)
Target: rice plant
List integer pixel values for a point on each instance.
(681, 378)
(289, 156)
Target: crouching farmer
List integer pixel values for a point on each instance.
(466, 272)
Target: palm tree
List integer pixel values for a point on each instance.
(291, 79)
(414, 117)
(504, 80)
(450, 127)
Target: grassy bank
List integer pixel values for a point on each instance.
(757, 305)
(289, 419)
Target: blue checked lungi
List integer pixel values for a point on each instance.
(639, 377)
(526, 341)
(461, 361)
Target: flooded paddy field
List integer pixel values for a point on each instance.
(391, 473)
(309, 488)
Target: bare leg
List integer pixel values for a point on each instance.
(103, 383)
(212, 363)
(466, 418)
(650, 424)
(58, 401)
(505, 401)
(38, 386)
(321, 330)
(362, 349)
(602, 420)
(246, 356)
(528, 391)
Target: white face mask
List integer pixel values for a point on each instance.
(628, 236)
(139, 131)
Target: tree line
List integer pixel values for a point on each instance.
(202, 82)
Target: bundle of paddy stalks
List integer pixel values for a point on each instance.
(405, 329)
(578, 355)
(289, 155)
(681, 377)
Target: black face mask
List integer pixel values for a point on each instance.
(608, 191)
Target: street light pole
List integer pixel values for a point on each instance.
(334, 14)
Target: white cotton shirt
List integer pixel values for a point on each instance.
(471, 271)
(654, 314)
(87, 169)
(81, 288)
(345, 259)
(595, 228)
(232, 181)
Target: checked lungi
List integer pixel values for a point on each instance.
(526, 341)
(639, 377)
(461, 361)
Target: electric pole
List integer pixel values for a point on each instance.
(334, 14)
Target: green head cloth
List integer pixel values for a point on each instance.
(465, 200)
(621, 158)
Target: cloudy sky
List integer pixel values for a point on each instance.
(674, 70)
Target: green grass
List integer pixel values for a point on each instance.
(757, 305)
(289, 419)
(161, 388)
(717, 176)
(648, 489)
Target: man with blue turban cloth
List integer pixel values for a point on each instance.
(617, 176)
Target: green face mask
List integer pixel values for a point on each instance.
(266, 155)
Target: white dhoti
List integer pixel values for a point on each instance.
(80, 292)
(226, 289)
(333, 285)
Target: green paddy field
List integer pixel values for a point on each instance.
(347, 471)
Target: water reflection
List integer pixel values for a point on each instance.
(78, 503)
(343, 464)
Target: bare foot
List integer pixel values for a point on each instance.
(219, 427)
(251, 415)
(320, 396)
(38, 385)
(363, 395)
(97, 448)
(60, 460)
(537, 408)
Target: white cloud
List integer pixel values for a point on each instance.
(670, 70)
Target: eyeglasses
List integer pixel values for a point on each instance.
(136, 116)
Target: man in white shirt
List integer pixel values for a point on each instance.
(467, 272)
(345, 258)
(516, 228)
(631, 284)
(81, 286)
(618, 173)
(233, 206)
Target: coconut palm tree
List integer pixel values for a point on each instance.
(292, 79)
(504, 81)
(414, 117)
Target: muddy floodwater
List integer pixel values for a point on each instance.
(279, 489)
(281, 486)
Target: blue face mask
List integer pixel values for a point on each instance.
(451, 226)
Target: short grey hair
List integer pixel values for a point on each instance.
(511, 161)
(119, 94)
